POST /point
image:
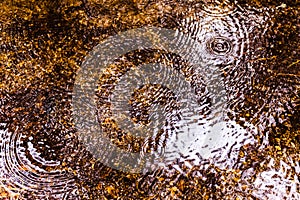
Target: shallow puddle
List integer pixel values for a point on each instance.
(149, 99)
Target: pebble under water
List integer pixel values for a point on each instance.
(216, 106)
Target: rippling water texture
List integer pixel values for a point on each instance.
(224, 128)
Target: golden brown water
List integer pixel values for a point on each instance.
(254, 46)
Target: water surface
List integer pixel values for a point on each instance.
(241, 142)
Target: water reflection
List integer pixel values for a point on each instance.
(23, 171)
(254, 44)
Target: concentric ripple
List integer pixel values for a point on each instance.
(219, 35)
(218, 8)
(26, 179)
(219, 46)
(246, 146)
(185, 127)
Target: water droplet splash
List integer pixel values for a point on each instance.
(219, 35)
(219, 46)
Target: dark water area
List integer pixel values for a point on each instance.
(228, 128)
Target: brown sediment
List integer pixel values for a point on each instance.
(43, 44)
